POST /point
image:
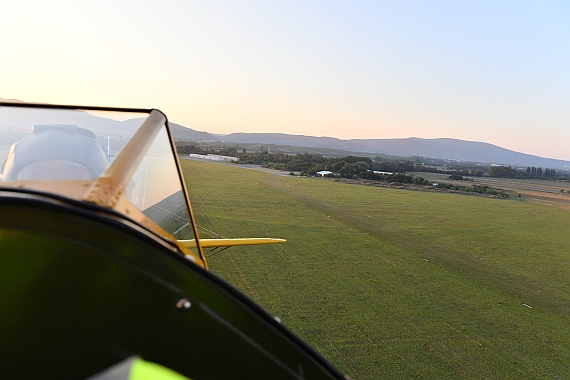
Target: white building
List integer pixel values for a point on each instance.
(214, 157)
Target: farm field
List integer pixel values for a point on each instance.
(390, 283)
(550, 193)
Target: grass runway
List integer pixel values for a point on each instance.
(390, 283)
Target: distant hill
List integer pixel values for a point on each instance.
(182, 133)
(444, 148)
(179, 133)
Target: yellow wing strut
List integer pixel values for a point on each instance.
(213, 243)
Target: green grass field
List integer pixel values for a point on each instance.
(390, 283)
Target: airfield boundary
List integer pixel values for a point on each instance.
(396, 283)
(550, 193)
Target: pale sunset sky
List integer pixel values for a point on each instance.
(492, 71)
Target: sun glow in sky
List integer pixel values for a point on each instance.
(491, 71)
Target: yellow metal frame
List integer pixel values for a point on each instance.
(109, 187)
(108, 190)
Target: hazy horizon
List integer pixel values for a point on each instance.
(494, 72)
(121, 117)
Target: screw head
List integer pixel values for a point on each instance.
(183, 305)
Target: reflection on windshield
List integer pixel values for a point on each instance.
(40, 145)
(156, 190)
(55, 151)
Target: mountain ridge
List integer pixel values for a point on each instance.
(445, 148)
(440, 148)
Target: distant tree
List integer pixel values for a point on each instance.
(533, 172)
(187, 149)
(420, 181)
(502, 172)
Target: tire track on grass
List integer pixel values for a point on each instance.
(408, 328)
(448, 354)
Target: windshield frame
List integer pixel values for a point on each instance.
(158, 121)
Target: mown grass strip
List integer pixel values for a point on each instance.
(397, 283)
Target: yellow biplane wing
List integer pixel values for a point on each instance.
(214, 243)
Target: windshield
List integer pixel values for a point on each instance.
(58, 149)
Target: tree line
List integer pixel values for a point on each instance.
(364, 167)
(530, 172)
(306, 164)
(309, 164)
(533, 172)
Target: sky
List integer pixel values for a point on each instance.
(491, 71)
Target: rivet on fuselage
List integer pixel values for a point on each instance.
(183, 305)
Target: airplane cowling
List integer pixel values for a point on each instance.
(82, 289)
